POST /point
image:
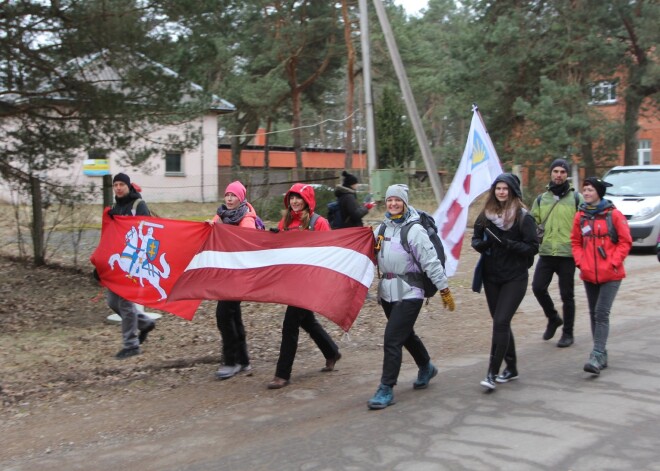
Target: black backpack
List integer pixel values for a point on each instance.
(335, 216)
(428, 223)
(611, 230)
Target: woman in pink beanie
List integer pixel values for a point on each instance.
(238, 212)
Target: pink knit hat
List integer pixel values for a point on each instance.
(238, 189)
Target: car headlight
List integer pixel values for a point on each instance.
(646, 212)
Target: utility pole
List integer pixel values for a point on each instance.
(372, 162)
(431, 169)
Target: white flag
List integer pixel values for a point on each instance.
(478, 169)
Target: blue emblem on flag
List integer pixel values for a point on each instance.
(152, 249)
(479, 151)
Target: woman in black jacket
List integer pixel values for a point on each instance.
(505, 235)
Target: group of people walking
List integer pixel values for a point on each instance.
(583, 231)
(568, 231)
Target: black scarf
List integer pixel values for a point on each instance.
(559, 190)
(233, 216)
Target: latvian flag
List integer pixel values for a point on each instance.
(327, 272)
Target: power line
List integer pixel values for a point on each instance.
(329, 120)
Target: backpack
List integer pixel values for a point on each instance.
(611, 230)
(428, 223)
(312, 222)
(575, 194)
(335, 216)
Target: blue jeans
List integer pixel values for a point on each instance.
(600, 298)
(132, 320)
(564, 267)
(399, 333)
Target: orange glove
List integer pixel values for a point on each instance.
(447, 299)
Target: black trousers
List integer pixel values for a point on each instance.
(399, 333)
(503, 300)
(232, 331)
(294, 319)
(564, 267)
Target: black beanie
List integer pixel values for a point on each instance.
(349, 179)
(560, 163)
(122, 177)
(598, 184)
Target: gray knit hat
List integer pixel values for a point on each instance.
(399, 190)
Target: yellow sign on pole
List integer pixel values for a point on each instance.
(96, 167)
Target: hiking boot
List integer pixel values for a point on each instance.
(566, 340)
(597, 361)
(488, 382)
(330, 363)
(553, 325)
(506, 376)
(278, 383)
(227, 371)
(424, 376)
(145, 332)
(384, 397)
(127, 352)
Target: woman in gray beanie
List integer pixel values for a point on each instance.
(505, 236)
(400, 293)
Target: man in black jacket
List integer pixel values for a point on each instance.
(135, 325)
(351, 210)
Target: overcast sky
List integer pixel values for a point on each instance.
(412, 6)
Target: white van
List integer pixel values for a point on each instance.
(636, 193)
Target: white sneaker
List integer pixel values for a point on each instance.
(247, 369)
(227, 371)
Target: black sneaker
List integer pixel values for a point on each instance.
(488, 382)
(506, 376)
(145, 332)
(566, 340)
(553, 325)
(127, 352)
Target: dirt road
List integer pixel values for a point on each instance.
(68, 405)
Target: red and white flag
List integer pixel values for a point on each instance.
(140, 258)
(476, 172)
(328, 272)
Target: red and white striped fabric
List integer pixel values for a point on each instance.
(326, 272)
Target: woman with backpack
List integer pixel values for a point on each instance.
(505, 236)
(299, 215)
(600, 241)
(401, 291)
(237, 212)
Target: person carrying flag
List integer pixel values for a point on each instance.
(135, 325)
(237, 212)
(299, 215)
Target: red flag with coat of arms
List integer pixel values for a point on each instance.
(140, 258)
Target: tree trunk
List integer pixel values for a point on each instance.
(297, 132)
(588, 158)
(37, 222)
(630, 124)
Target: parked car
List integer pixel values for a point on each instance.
(636, 193)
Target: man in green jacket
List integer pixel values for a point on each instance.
(555, 210)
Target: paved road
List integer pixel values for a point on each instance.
(555, 417)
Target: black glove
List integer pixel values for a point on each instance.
(274, 230)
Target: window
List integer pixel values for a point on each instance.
(644, 152)
(173, 164)
(603, 92)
